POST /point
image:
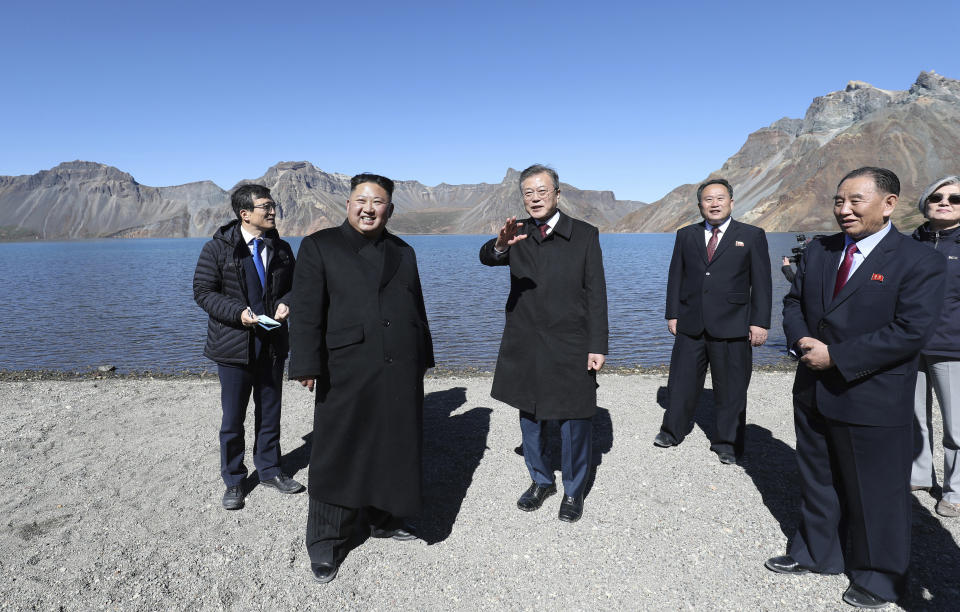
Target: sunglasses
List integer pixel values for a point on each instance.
(953, 198)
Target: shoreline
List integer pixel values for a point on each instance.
(785, 367)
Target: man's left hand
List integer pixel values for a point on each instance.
(595, 361)
(758, 336)
(282, 313)
(816, 355)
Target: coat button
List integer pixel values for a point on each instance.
(388, 359)
(386, 322)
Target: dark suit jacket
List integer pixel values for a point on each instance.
(874, 328)
(358, 325)
(556, 314)
(726, 295)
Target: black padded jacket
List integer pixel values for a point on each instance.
(219, 288)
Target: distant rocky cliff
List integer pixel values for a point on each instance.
(785, 175)
(89, 200)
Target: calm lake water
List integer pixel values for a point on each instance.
(75, 305)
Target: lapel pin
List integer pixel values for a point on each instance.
(877, 277)
(737, 243)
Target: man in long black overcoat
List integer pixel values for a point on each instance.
(360, 334)
(555, 337)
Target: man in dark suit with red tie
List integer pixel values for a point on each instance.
(861, 307)
(719, 295)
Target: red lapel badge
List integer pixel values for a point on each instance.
(877, 277)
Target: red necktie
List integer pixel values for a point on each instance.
(844, 270)
(544, 228)
(712, 245)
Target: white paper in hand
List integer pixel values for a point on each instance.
(267, 323)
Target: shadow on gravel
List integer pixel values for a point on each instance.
(702, 414)
(297, 459)
(290, 464)
(772, 465)
(934, 564)
(453, 445)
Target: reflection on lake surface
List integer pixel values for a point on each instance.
(76, 305)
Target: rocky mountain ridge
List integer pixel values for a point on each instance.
(89, 200)
(785, 175)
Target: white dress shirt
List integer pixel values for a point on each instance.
(248, 238)
(864, 247)
(708, 231)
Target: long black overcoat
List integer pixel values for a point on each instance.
(358, 325)
(556, 314)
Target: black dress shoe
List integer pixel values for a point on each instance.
(283, 483)
(571, 509)
(664, 440)
(861, 598)
(403, 533)
(324, 572)
(727, 458)
(533, 497)
(233, 498)
(786, 565)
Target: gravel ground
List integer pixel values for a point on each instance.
(115, 504)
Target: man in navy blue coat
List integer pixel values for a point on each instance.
(719, 295)
(861, 307)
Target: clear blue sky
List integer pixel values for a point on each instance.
(617, 95)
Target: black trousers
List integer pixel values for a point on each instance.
(264, 378)
(731, 363)
(330, 527)
(854, 485)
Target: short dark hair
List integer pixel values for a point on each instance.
(242, 198)
(717, 181)
(539, 169)
(885, 180)
(367, 177)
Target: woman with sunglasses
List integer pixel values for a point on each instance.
(940, 359)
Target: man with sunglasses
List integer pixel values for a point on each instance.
(861, 308)
(245, 273)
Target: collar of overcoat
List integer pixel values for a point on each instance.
(873, 264)
(391, 253)
(563, 228)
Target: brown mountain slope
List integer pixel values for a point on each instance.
(785, 175)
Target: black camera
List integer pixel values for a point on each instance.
(797, 251)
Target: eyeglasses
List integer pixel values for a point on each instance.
(540, 193)
(266, 207)
(953, 198)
